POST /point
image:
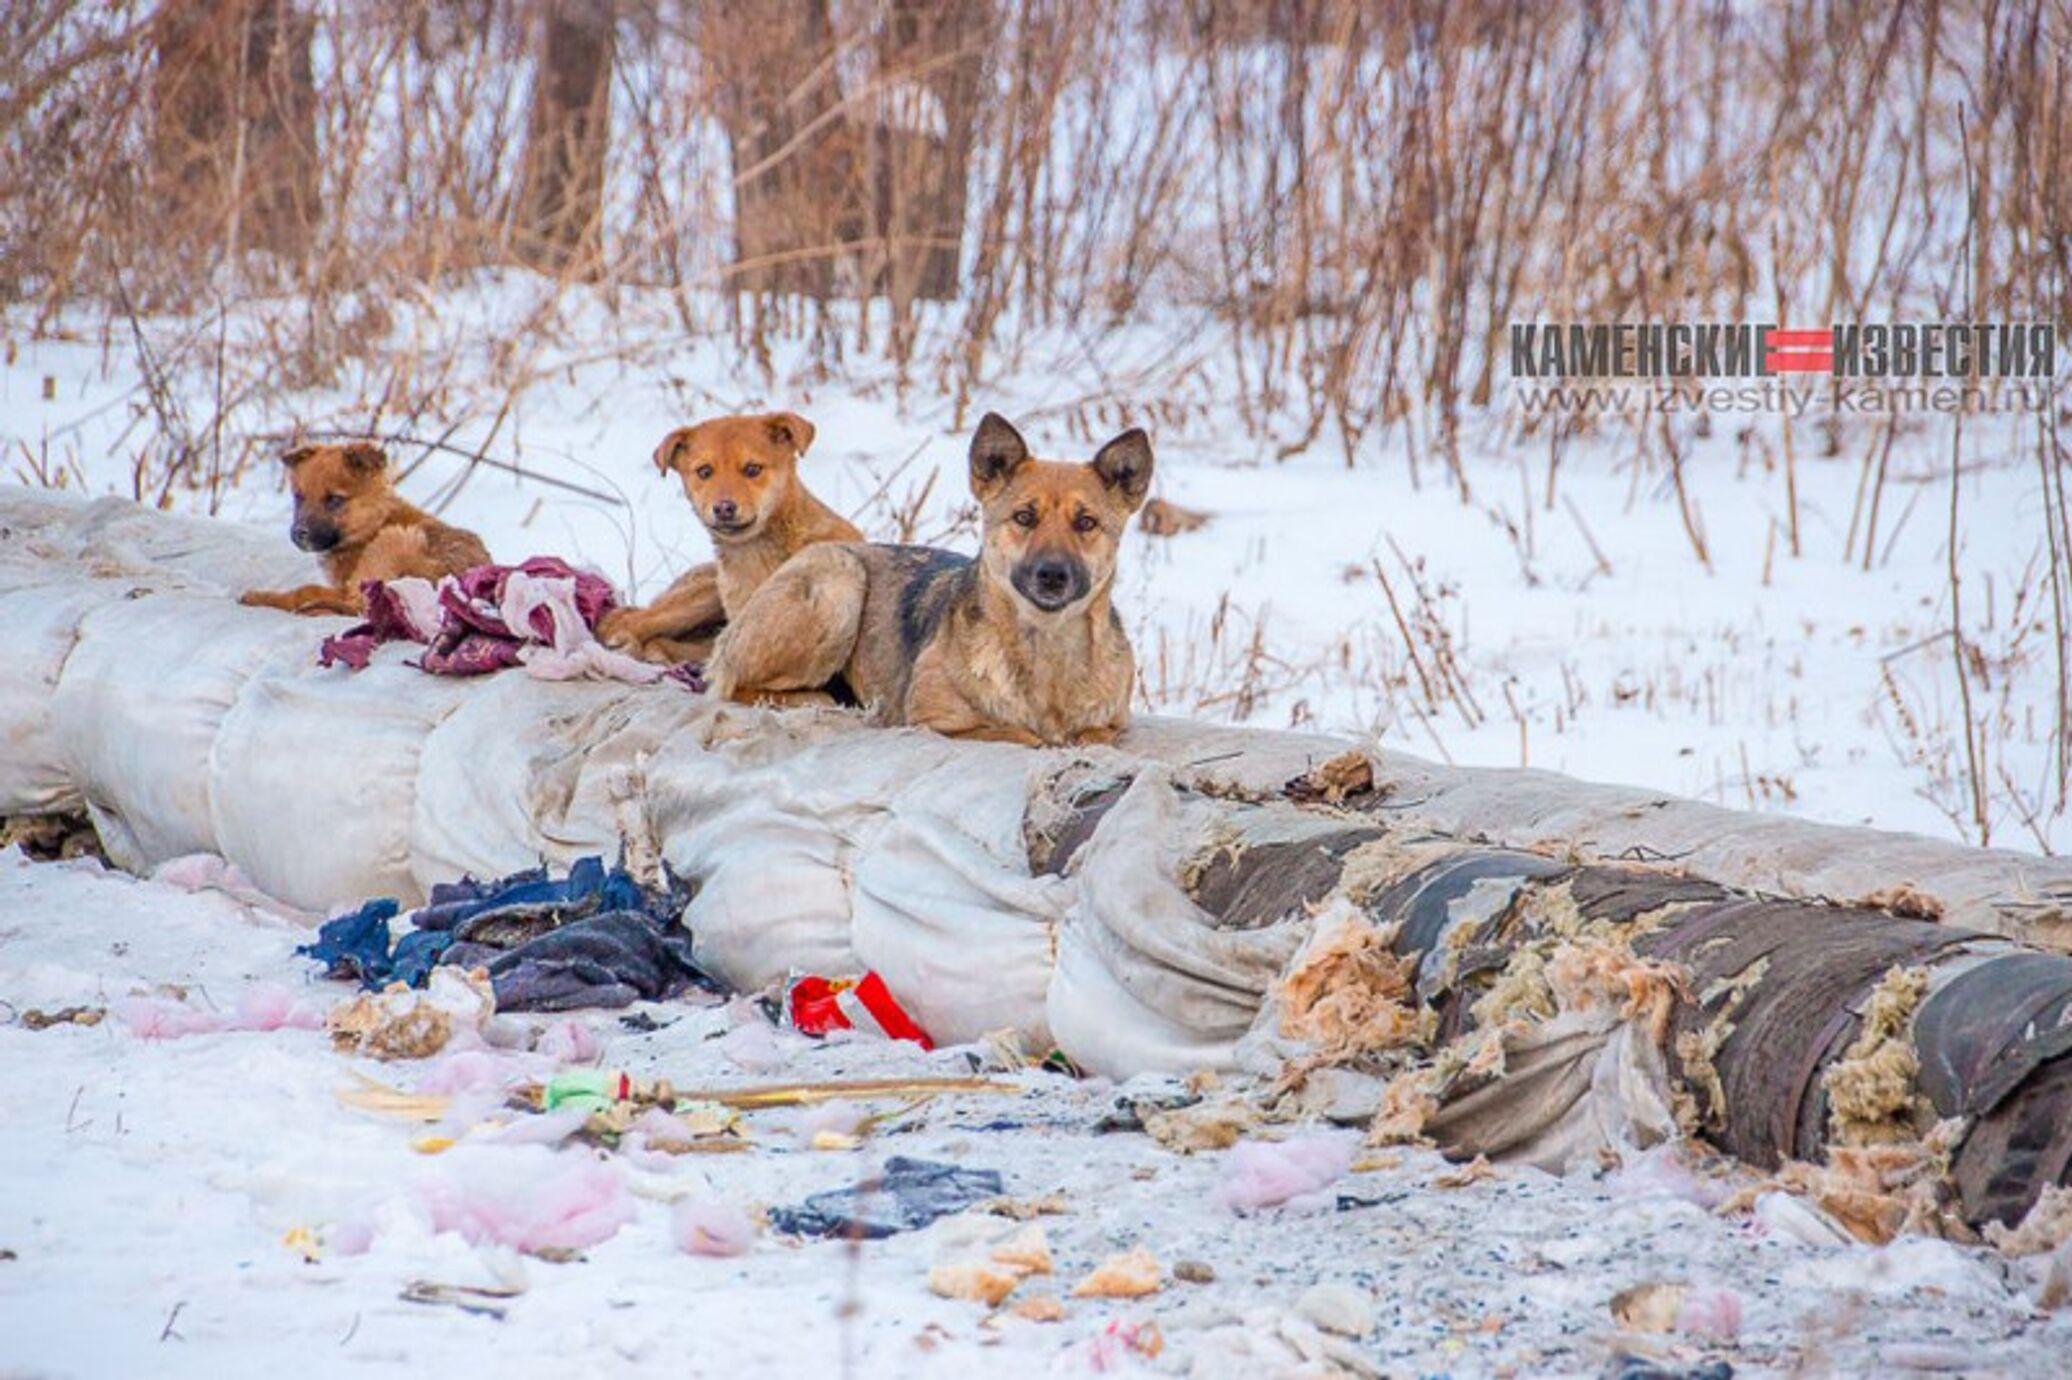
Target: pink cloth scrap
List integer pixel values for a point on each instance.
(541, 615)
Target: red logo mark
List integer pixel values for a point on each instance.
(1800, 352)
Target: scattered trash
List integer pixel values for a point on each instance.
(1648, 1307)
(816, 1005)
(973, 1281)
(404, 1024)
(2056, 1290)
(486, 1301)
(373, 1096)
(1338, 1308)
(194, 872)
(531, 1199)
(1290, 1173)
(1795, 1219)
(1211, 1125)
(1911, 1263)
(1039, 1308)
(1628, 1367)
(1714, 1314)
(909, 1194)
(595, 938)
(1126, 1117)
(33, 1019)
(1475, 1171)
(1024, 1209)
(1663, 1172)
(1193, 1272)
(1115, 1345)
(1334, 781)
(2044, 1227)
(1666, 1308)
(1129, 1276)
(1026, 1251)
(260, 1007)
(305, 1243)
(569, 1042)
(752, 1047)
(711, 1226)
(52, 838)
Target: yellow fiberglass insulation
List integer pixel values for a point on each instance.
(1349, 995)
(1873, 1097)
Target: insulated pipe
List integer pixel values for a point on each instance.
(1766, 1048)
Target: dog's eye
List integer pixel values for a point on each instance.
(1025, 517)
(1085, 522)
(705, 471)
(751, 471)
(333, 502)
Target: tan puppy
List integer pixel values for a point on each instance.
(348, 511)
(741, 476)
(1020, 645)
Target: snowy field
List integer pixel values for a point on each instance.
(205, 1204)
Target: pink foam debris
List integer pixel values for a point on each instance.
(570, 1042)
(842, 1118)
(530, 1202)
(711, 1226)
(1662, 1172)
(162, 1018)
(349, 1238)
(753, 1048)
(193, 871)
(1713, 1313)
(270, 1006)
(1289, 1173)
(548, 1128)
(469, 1070)
(260, 1007)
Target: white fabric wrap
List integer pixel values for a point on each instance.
(132, 682)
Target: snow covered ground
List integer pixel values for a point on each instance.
(165, 1194)
(206, 1205)
(1581, 629)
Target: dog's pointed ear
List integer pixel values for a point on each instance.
(366, 458)
(790, 429)
(997, 451)
(1124, 464)
(665, 454)
(296, 456)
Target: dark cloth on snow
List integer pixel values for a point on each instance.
(906, 1197)
(596, 937)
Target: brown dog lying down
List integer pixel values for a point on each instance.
(741, 475)
(348, 511)
(1020, 645)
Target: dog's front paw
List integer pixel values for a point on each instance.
(258, 599)
(618, 630)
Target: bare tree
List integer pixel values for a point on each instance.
(930, 65)
(795, 171)
(234, 124)
(560, 211)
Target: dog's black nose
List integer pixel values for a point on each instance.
(1051, 582)
(313, 536)
(725, 510)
